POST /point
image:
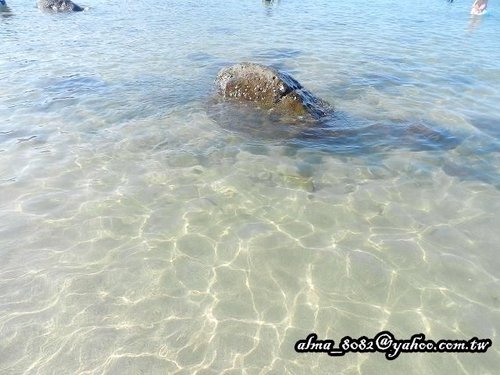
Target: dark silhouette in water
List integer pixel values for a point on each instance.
(343, 135)
(270, 5)
(340, 133)
(270, 2)
(252, 99)
(59, 6)
(4, 9)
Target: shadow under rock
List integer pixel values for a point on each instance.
(336, 134)
(487, 125)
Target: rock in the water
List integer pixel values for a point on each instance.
(270, 89)
(59, 6)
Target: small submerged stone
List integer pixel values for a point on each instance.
(270, 89)
(58, 6)
(298, 182)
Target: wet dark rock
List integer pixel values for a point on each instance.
(59, 6)
(271, 90)
(290, 114)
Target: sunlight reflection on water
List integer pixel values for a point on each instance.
(145, 229)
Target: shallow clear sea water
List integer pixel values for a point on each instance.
(144, 230)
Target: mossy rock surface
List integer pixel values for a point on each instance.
(271, 90)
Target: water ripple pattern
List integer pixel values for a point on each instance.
(145, 231)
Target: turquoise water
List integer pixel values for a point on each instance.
(145, 230)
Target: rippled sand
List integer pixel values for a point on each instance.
(142, 234)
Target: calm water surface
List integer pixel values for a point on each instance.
(144, 230)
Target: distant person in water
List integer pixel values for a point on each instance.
(58, 6)
(3, 4)
(479, 7)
